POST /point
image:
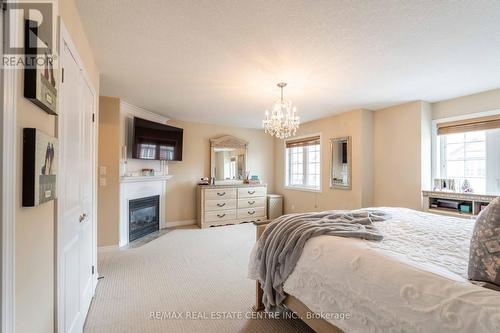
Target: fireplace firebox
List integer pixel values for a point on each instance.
(144, 216)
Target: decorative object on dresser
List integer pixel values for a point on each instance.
(465, 205)
(228, 159)
(230, 204)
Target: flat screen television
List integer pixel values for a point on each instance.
(155, 141)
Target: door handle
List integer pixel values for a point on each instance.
(82, 217)
(221, 204)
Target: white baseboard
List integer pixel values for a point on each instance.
(179, 223)
(108, 248)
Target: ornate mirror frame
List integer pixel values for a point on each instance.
(226, 141)
(334, 183)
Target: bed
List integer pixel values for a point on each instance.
(414, 280)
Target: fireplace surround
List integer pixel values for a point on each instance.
(132, 188)
(144, 216)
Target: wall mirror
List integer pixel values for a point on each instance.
(341, 163)
(228, 159)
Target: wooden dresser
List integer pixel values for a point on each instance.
(228, 204)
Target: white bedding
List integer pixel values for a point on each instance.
(412, 281)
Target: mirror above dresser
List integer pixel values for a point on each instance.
(228, 159)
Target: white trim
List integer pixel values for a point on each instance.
(467, 116)
(9, 144)
(301, 188)
(178, 223)
(107, 248)
(136, 190)
(130, 110)
(285, 178)
(65, 38)
(131, 179)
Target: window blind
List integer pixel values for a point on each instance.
(469, 125)
(304, 142)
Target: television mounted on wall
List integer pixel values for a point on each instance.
(155, 141)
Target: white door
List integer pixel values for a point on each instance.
(76, 195)
(87, 197)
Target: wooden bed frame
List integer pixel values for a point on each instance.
(317, 324)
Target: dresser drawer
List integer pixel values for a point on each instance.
(251, 212)
(249, 192)
(222, 193)
(252, 202)
(211, 205)
(220, 215)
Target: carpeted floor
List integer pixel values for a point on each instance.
(187, 280)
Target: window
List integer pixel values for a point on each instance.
(472, 154)
(303, 163)
(464, 158)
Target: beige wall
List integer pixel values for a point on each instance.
(181, 189)
(35, 227)
(484, 101)
(356, 124)
(398, 146)
(195, 164)
(109, 157)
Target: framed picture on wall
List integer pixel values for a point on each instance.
(40, 153)
(39, 75)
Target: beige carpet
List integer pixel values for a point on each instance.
(185, 275)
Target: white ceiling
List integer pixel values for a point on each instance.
(218, 61)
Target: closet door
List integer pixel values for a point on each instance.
(87, 198)
(75, 239)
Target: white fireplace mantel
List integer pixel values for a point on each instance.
(125, 179)
(132, 188)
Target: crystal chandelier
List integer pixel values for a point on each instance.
(283, 121)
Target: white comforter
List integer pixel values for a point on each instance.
(412, 281)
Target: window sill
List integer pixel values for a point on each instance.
(303, 189)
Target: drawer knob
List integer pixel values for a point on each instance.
(251, 202)
(251, 192)
(221, 215)
(220, 194)
(221, 204)
(251, 212)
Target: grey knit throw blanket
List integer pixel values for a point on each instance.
(281, 244)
